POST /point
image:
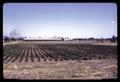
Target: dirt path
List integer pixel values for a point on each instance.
(6, 43)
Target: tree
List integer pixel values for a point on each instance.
(20, 38)
(14, 34)
(62, 38)
(13, 39)
(113, 39)
(6, 39)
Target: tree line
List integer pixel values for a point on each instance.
(14, 35)
(112, 39)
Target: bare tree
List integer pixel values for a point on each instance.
(15, 35)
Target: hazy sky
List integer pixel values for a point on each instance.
(61, 19)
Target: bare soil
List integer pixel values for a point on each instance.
(105, 43)
(67, 69)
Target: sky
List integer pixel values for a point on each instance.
(73, 20)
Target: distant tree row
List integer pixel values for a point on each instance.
(112, 39)
(14, 36)
(8, 39)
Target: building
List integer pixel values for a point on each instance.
(43, 39)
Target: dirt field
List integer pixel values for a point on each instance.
(82, 69)
(105, 43)
(66, 69)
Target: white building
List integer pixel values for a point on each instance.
(43, 39)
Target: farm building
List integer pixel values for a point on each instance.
(43, 39)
